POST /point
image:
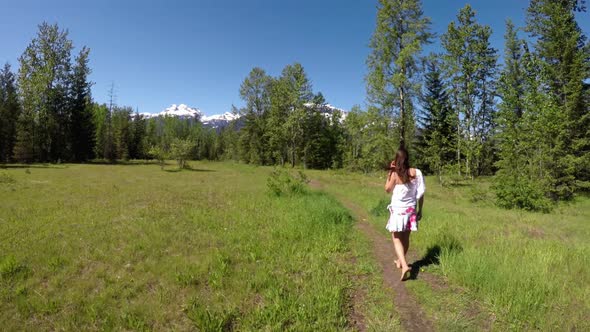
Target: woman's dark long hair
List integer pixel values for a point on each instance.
(402, 165)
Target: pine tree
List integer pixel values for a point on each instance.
(437, 139)
(564, 56)
(121, 126)
(401, 32)
(137, 147)
(82, 127)
(9, 113)
(519, 181)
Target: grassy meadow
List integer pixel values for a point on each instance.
(132, 247)
(528, 271)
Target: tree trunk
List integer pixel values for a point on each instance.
(403, 118)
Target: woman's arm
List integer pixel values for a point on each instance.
(420, 204)
(390, 183)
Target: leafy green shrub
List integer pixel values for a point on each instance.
(159, 153)
(521, 193)
(181, 150)
(281, 182)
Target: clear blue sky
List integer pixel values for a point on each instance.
(198, 52)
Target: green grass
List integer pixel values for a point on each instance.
(528, 270)
(131, 247)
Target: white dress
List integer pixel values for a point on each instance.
(402, 209)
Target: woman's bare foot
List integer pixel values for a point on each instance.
(405, 273)
(397, 264)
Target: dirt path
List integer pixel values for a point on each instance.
(412, 317)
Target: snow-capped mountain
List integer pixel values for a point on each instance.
(222, 120)
(219, 120)
(182, 111)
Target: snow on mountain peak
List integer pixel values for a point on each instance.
(181, 110)
(227, 116)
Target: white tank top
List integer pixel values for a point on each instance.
(407, 194)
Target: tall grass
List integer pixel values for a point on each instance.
(99, 247)
(530, 270)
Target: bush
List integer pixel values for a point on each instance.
(157, 152)
(521, 193)
(181, 150)
(280, 182)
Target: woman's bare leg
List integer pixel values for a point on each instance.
(399, 250)
(406, 241)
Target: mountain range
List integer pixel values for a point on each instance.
(221, 120)
(184, 111)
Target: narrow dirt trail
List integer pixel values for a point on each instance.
(411, 315)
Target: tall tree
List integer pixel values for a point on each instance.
(9, 113)
(470, 67)
(519, 181)
(396, 44)
(437, 138)
(255, 91)
(564, 55)
(122, 131)
(43, 82)
(82, 127)
(137, 147)
(289, 94)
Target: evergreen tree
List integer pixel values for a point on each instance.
(82, 126)
(401, 32)
(103, 136)
(137, 147)
(564, 56)
(519, 182)
(9, 113)
(437, 139)
(121, 126)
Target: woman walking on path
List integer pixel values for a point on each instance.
(407, 187)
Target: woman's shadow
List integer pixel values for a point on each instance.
(432, 256)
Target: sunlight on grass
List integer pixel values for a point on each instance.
(530, 270)
(97, 247)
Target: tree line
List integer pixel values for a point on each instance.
(525, 121)
(460, 112)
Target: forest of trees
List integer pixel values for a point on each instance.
(521, 115)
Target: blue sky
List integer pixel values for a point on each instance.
(198, 52)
